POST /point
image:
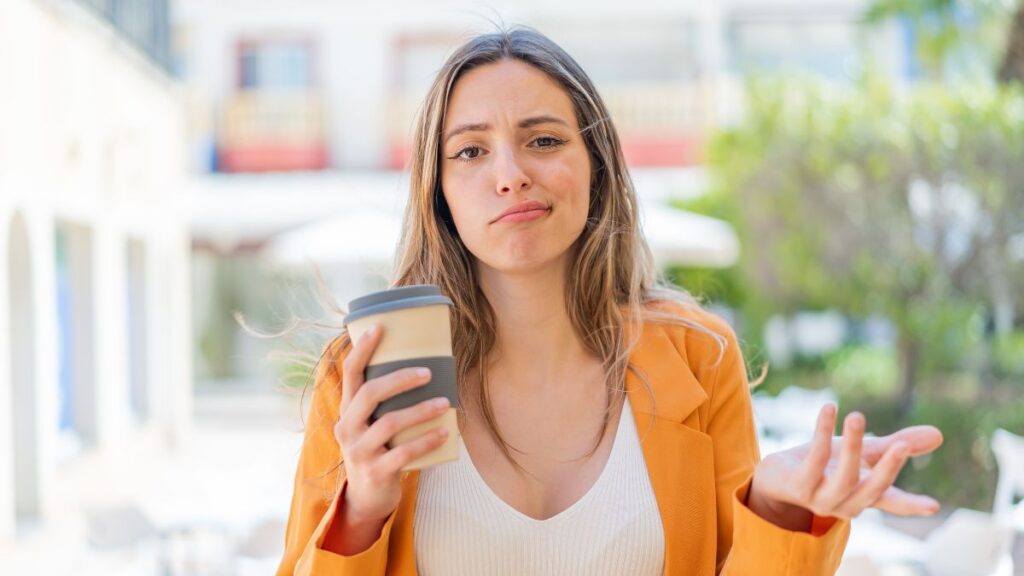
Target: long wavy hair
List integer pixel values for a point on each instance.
(613, 286)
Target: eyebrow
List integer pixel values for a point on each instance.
(525, 123)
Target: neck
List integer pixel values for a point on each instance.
(536, 343)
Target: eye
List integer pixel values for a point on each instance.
(548, 142)
(466, 154)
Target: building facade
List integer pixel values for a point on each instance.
(94, 244)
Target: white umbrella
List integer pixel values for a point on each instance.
(684, 238)
(370, 235)
(367, 236)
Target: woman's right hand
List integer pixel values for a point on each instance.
(373, 470)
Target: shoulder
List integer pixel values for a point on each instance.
(690, 323)
(702, 338)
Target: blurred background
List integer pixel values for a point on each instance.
(842, 180)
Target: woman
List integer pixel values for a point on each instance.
(626, 404)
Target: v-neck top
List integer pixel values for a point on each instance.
(461, 527)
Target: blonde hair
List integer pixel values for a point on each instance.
(612, 280)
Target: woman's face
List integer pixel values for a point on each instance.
(511, 136)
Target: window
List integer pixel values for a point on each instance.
(269, 64)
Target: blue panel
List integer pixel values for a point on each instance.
(65, 330)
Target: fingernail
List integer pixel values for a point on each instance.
(439, 403)
(423, 372)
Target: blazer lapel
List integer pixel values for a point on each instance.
(676, 390)
(678, 457)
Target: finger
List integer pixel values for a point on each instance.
(396, 458)
(841, 484)
(919, 440)
(376, 390)
(355, 362)
(383, 430)
(813, 467)
(881, 478)
(900, 502)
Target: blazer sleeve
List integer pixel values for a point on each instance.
(747, 543)
(319, 486)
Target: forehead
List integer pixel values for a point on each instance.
(509, 90)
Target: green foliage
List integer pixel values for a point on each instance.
(869, 371)
(899, 202)
(295, 374)
(962, 472)
(1008, 350)
(724, 286)
(875, 200)
(954, 333)
(721, 206)
(966, 33)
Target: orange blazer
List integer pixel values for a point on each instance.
(700, 451)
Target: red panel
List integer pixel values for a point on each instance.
(271, 158)
(660, 151)
(399, 154)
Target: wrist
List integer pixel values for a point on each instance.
(780, 513)
(352, 516)
(349, 533)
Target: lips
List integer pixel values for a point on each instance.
(525, 206)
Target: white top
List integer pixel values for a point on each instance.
(461, 527)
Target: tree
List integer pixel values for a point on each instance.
(1012, 68)
(869, 201)
(944, 28)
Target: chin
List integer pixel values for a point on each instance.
(524, 255)
(525, 264)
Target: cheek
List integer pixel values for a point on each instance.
(569, 183)
(465, 214)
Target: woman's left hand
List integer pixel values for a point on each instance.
(840, 477)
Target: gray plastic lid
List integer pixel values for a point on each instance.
(395, 299)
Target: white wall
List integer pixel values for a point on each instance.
(93, 139)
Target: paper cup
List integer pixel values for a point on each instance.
(417, 332)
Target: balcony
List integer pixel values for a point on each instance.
(273, 130)
(658, 124)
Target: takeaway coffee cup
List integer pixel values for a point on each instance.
(417, 332)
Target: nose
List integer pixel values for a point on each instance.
(509, 174)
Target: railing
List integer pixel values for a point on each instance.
(144, 23)
(658, 124)
(272, 130)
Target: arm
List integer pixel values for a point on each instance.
(316, 529)
(349, 536)
(747, 542)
